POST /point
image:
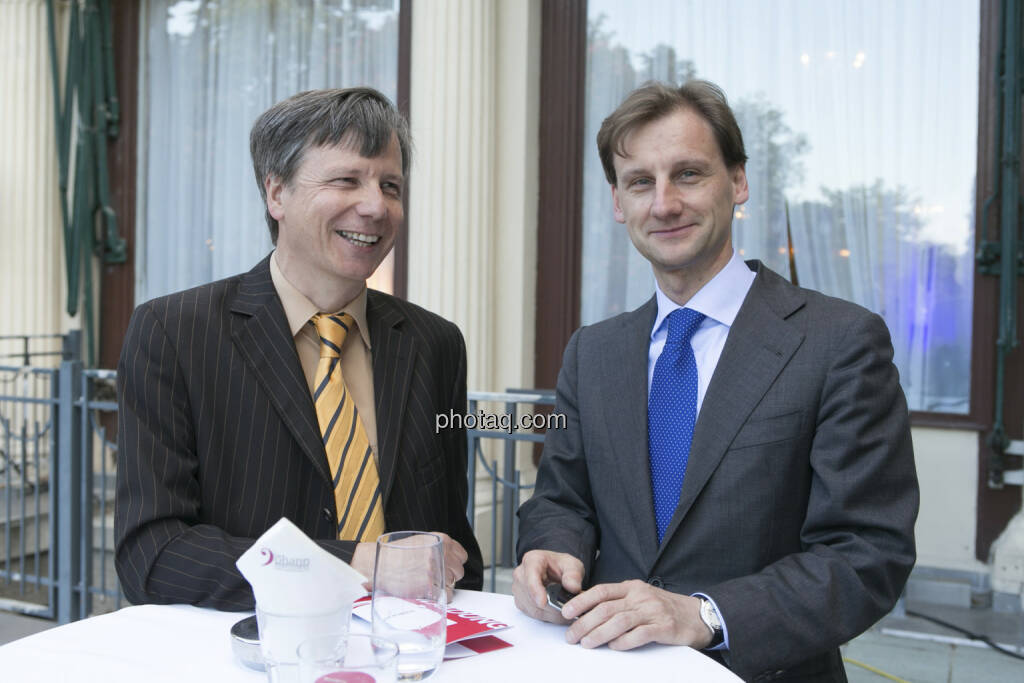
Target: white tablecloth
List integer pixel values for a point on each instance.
(181, 644)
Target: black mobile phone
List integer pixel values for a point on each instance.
(558, 596)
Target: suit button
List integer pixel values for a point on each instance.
(656, 581)
(328, 514)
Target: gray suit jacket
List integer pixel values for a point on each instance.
(797, 511)
(218, 437)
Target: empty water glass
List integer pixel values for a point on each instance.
(409, 601)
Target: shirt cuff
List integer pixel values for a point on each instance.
(724, 645)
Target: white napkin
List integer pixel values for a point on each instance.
(301, 588)
(290, 574)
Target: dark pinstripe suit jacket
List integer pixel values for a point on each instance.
(218, 437)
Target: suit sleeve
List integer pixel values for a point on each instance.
(457, 448)
(165, 553)
(857, 538)
(560, 516)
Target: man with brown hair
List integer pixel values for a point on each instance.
(737, 473)
(293, 390)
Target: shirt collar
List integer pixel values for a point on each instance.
(298, 309)
(720, 299)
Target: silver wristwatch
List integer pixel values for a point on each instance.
(710, 618)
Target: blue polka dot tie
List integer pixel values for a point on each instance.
(671, 414)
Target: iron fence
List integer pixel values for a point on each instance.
(87, 579)
(28, 349)
(57, 491)
(28, 434)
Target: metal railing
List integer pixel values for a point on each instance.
(56, 490)
(28, 440)
(24, 348)
(85, 520)
(509, 481)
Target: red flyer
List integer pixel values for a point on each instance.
(472, 632)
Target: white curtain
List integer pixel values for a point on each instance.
(860, 121)
(209, 69)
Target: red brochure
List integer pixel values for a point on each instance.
(472, 632)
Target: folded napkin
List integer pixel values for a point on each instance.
(301, 589)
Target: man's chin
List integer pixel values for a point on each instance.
(358, 271)
(673, 262)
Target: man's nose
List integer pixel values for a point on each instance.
(372, 203)
(668, 200)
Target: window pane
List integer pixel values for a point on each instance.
(209, 69)
(860, 121)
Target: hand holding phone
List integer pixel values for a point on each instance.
(558, 596)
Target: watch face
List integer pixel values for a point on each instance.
(708, 615)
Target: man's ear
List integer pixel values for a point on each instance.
(616, 209)
(740, 191)
(274, 188)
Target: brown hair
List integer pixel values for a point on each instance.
(652, 101)
(362, 119)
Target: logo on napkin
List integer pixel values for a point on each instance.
(283, 562)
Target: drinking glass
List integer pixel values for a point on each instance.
(409, 600)
(281, 634)
(347, 658)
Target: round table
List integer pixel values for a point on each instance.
(177, 643)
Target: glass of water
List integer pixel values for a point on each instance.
(409, 602)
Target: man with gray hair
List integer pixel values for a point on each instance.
(737, 474)
(293, 390)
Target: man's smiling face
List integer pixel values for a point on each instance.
(339, 215)
(676, 196)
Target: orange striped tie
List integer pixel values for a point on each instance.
(357, 496)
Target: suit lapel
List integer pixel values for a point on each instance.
(624, 361)
(260, 332)
(759, 345)
(393, 356)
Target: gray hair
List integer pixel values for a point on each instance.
(361, 119)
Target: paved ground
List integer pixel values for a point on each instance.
(919, 661)
(14, 626)
(918, 651)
